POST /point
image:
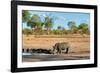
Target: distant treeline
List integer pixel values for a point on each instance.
(38, 26)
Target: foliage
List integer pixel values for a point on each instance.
(60, 28)
(27, 31)
(83, 27)
(25, 15)
(35, 22)
(48, 23)
(59, 32)
(72, 26)
(39, 26)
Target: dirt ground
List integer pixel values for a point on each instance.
(78, 43)
(79, 47)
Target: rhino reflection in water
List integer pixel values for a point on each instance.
(58, 48)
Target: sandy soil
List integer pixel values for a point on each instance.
(77, 43)
(79, 47)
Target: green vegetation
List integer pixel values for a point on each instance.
(40, 27)
(27, 31)
(25, 15)
(72, 26)
(48, 23)
(83, 27)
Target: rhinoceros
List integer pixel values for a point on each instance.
(59, 47)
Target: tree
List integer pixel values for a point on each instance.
(83, 27)
(60, 28)
(72, 26)
(35, 22)
(25, 15)
(48, 23)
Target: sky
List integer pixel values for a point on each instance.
(62, 18)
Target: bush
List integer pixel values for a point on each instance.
(27, 31)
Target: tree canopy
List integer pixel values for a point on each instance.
(25, 15)
(83, 27)
(72, 26)
(38, 25)
(48, 23)
(35, 22)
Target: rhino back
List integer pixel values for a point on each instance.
(64, 45)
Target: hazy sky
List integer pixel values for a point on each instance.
(62, 18)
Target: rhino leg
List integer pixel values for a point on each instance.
(67, 49)
(60, 51)
(55, 51)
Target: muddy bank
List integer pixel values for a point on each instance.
(36, 57)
